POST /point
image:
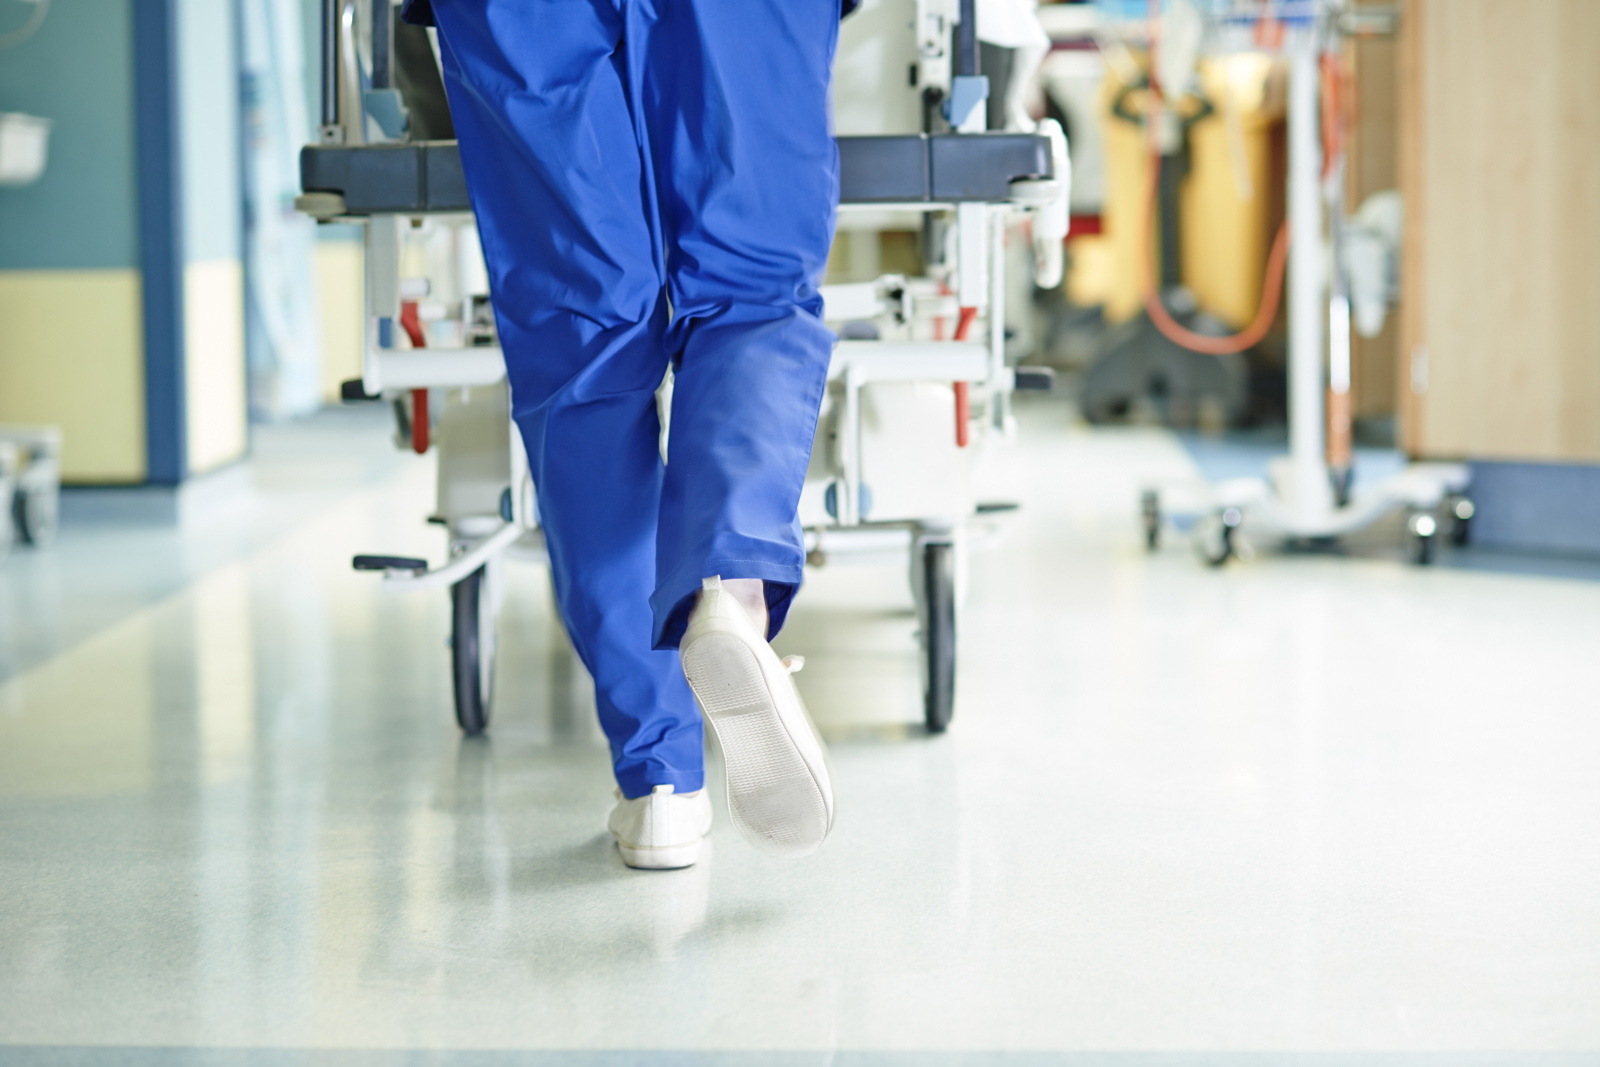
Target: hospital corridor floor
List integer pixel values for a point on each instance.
(1317, 807)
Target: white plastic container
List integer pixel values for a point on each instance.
(24, 141)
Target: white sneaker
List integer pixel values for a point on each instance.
(663, 830)
(780, 793)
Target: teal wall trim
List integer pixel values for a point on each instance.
(78, 72)
(1537, 507)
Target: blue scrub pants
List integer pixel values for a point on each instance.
(654, 181)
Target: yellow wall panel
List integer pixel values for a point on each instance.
(214, 362)
(339, 268)
(72, 355)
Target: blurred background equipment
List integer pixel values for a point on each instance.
(1193, 218)
(35, 492)
(1178, 353)
(1308, 493)
(283, 341)
(8, 485)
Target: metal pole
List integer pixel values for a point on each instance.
(999, 396)
(352, 113)
(847, 495)
(330, 62)
(1309, 493)
(1341, 461)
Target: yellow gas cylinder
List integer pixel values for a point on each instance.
(1230, 201)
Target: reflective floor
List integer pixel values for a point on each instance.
(1307, 804)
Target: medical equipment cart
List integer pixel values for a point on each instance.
(1304, 497)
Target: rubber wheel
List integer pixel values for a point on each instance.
(939, 635)
(1150, 511)
(1214, 541)
(1460, 526)
(1422, 549)
(472, 652)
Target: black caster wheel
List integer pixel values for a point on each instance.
(938, 635)
(1150, 510)
(1424, 529)
(472, 651)
(1461, 511)
(33, 511)
(1341, 478)
(1216, 540)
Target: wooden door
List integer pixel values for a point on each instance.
(1500, 168)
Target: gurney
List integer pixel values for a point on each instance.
(430, 348)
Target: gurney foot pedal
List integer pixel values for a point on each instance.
(388, 563)
(1035, 379)
(354, 391)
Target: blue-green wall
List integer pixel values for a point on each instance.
(77, 71)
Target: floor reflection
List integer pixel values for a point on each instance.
(1255, 808)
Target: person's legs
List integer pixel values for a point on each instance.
(734, 95)
(541, 103)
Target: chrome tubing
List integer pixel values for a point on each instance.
(330, 62)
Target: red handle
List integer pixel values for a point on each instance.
(411, 323)
(963, 392)
(419, 420)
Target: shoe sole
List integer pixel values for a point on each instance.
(774, 768)
(664, 858)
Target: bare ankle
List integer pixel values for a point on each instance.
(752, 596)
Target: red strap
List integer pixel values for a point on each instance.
(411, 323)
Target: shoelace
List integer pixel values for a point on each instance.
(794, 664)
